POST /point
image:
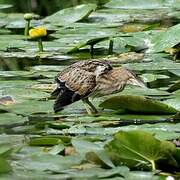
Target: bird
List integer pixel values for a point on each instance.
(93, 78)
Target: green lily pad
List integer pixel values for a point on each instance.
(162, 131)
(56, 149)
(21, 95)
(141, 175)
(44, 141)
(5, 150)
(135, 4)
(166, 39)
(87, 42)
(137, 104)
(5, 6)
(86, 148)
(10, 119)
(175, 71)
(30, 107)
(174, 87)
(175, 101)
(164, 65)
(152, 77)
(49, 162)
(71, 15)
(5, 166)
(140, 149)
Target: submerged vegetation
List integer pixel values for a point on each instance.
(136, 134)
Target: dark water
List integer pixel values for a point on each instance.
(43, 8)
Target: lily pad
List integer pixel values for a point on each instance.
(166, 39)
(71, 15)
(5, 6)
(135, 4)
(140, 149)
(175, 101)
(44, 141)
(87, 42)
(174, 87)
(49, 162)
(31, 107)
(137, 104)
(5, 166)
(5, 150)
(11, 119)
(152, 77)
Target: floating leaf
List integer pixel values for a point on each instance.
(5, 150)
(141, 175)
(174, 87)
(175, 101)
(49, 162)
(167, 39)
(163, 65)
(11, 119)
(5, 6)
(31, 107)
(135, 4)
(129, 57)
(137, 104)
(152, 77)
(91, 41)
(88, 148)
(70, 15)
(56, 149)
(44, 141)
(83, 146)
(140, 149)
(5, 167)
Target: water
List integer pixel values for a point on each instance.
(42, 7)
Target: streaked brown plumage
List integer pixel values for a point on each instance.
(91, 78)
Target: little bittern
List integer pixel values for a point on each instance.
(91, 78)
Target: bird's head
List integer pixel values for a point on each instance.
(102, 68)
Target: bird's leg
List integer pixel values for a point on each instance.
(89, 111)
(92, 109)
(89, 106)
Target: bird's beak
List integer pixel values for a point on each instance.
(136, 82)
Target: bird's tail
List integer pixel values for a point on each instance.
(55, 92)
(64, 97)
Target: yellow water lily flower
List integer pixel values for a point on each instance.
(37, 32)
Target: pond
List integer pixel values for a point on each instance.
(136, 133)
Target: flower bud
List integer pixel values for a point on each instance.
(28, 16)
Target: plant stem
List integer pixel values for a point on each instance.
(40, 45)
(27, 26)
(153, 165)
(92, 50)
(111, 42)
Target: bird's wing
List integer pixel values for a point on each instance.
(78, 80)
(72, 86)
